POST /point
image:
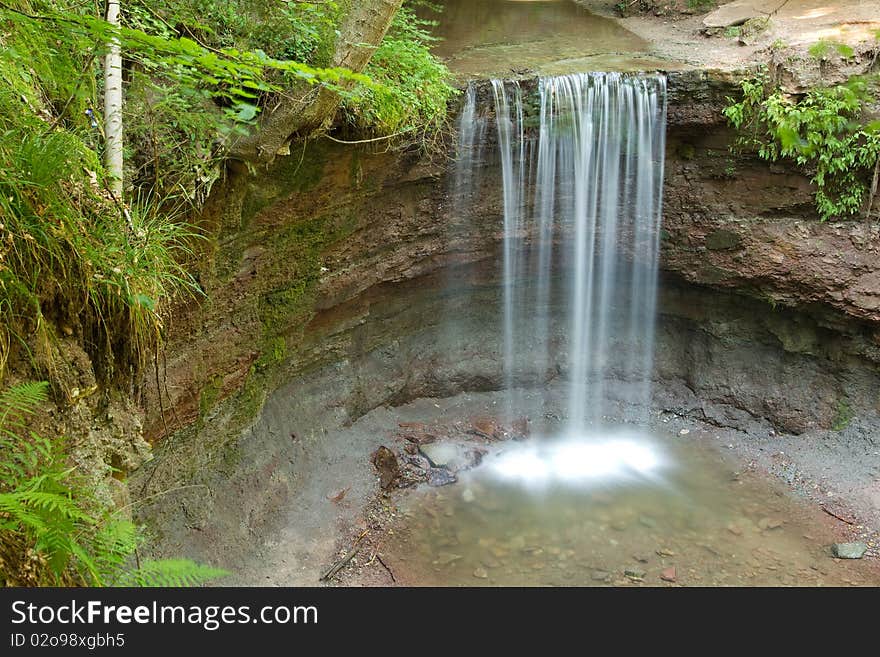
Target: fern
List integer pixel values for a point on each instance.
(171, 572)
(46, 535)
(19, 401)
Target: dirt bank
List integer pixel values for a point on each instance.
(678, 32)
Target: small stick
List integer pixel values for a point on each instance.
(834, 515)
(339, 565)
(873, 192)
(385, 566)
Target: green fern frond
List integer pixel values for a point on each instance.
(171, 572)
(43, 511)
(23, 399)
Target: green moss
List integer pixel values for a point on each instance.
(843, 416)
(686, 151)
(722, 240)
(274, 352)
(283, 307)
(249, 400)
(302, 246)
(209, 396)
(299, 172)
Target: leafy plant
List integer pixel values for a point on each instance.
(823, 131)
(50, 534)
(823, 48)
(411, 87)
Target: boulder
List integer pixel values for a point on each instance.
(733, 14)
(849, 550)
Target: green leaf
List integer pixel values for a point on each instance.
(144, 301)
(845, 51)
(245, 112)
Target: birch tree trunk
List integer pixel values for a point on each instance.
(306, 108)
(113, 106)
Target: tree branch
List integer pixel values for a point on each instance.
(363, 28)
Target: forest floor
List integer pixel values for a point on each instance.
(682, 36)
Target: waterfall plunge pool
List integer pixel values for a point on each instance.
(669, 503)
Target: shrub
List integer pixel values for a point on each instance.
(823, 132)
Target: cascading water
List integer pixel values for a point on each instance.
(464, 186)
(588, 235)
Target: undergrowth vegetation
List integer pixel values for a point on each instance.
(824, 131)
(52, 532)
(67, 256)
(197, 74)
(412, 87)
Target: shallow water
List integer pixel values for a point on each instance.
(493, 38)
(668, 513)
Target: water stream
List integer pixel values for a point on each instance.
(485, 38)
(596, 168)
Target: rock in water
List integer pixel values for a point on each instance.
(849, 550)
(441, 477)
(765, 524)
(386, 464)
(520, 428)
(446, 455)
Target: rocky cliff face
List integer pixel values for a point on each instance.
(334, 277)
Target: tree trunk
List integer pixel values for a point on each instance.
(113, 106)
(305, 107)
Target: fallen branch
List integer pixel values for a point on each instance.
(339, 565)
(873, 192)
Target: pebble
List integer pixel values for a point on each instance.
(668, 575)
(770, 523)
(447, 558)
(849, 550)
(480, 573)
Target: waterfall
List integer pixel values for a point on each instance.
(587, 238)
